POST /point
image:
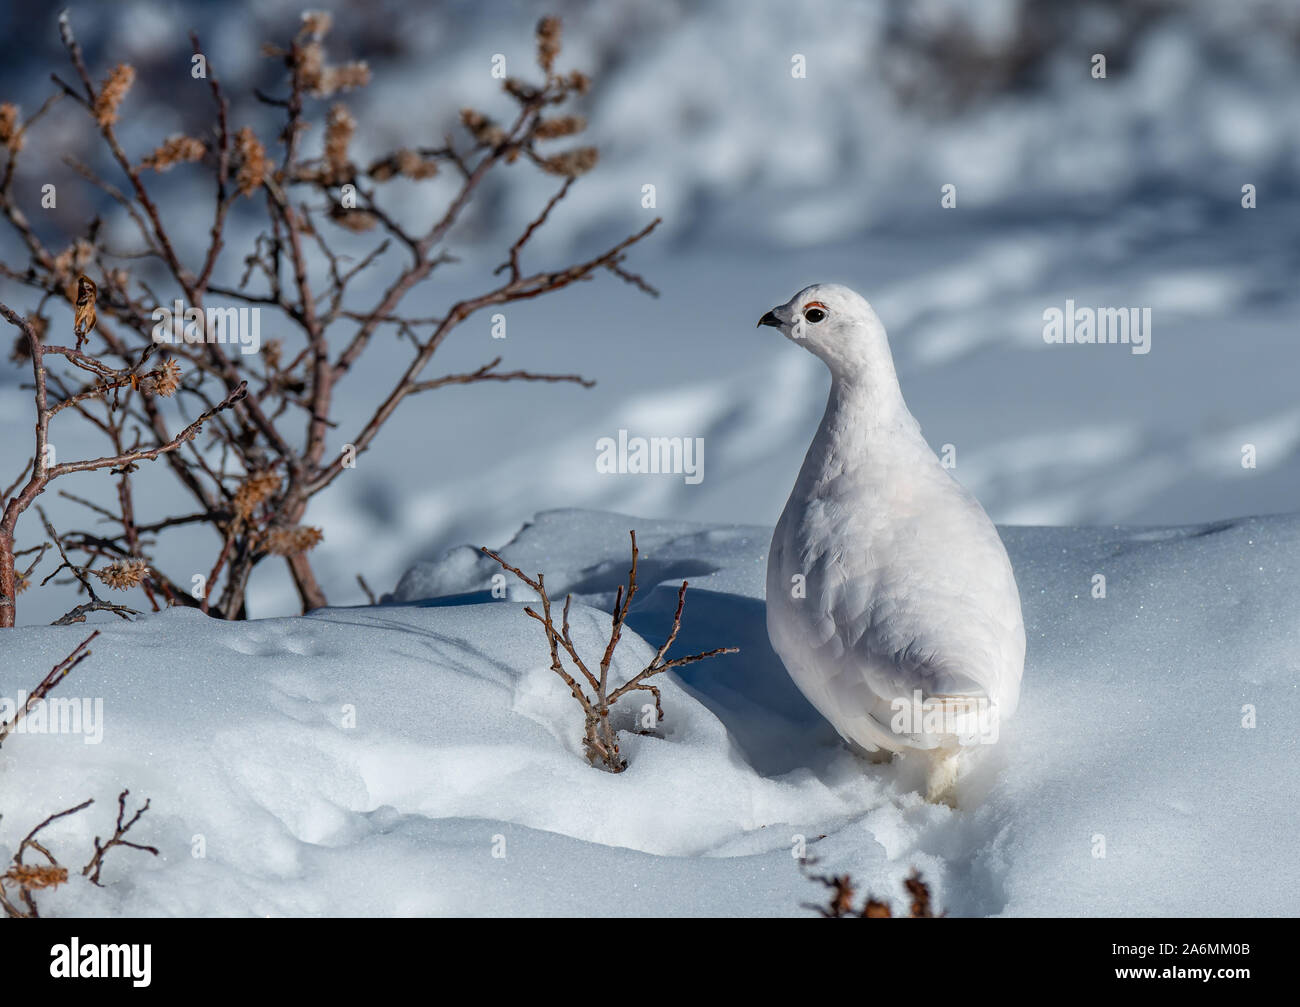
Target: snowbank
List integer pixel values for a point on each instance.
(465, 745)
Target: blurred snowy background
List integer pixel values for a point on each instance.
(1117, 192)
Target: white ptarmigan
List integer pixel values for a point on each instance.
(890, 597)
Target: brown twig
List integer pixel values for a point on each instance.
(600, 738)
(96, 863)
(839, 902)
(57, 674)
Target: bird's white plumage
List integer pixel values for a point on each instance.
(885, 575)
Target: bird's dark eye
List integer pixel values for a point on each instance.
(814, 314)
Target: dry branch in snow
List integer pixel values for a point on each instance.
(600, 740)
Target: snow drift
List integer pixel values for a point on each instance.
(461, 790)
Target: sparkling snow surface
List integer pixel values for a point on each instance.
(1130, 728)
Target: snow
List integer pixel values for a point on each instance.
(1130, 728)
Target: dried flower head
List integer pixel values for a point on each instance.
(356, 221)
(412, 165)
(123, 574)
(253, 164)
(63, 264)
(384, 169)
(321, 80)
(292, 541)
(111, 93)
(339, 127)
(405, 162)
(309, 65)
(560, 125)
(166, 379)
(571, 163)
(70, 263)
(35, 876)
(11, 133)
(548, 42)
(485, 131)
(175, 150)
(348, 76)
(254, 490)
(577, 81)
(316, 24)
(521, 90)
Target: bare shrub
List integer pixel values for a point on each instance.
(24, 878)
(323, 220)
(841, 893)
(28, 878)
(600, 740)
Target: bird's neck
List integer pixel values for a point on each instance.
(865, 398)
(866, 421)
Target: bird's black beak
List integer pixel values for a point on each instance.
(769, 319)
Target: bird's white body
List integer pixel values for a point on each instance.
(889, 591)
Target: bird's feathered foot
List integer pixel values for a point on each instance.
(947, 765)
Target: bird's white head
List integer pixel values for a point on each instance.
(837, 325)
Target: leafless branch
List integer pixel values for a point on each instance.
(600, 738)
(275, 410)
(96, 863)
(57, 674)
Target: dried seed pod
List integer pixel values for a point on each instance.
(111, 93)
(316, 24)
(484, 130)
(548, 42)
(571, 163)
(356, 221)
(11, 134)
(254, 490)
(123, 574)
(175, 150)
(292, 541)
(560, 125)
(253, 164)
(339, 127)
(167, 379)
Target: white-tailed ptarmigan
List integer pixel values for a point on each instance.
(890, 597)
